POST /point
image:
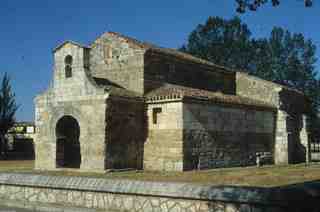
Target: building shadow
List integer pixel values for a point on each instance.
(301, 197)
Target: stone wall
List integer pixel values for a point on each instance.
(77, 97)
(163, 147)
(125, 133)
(123, 195)
(291, 143)
(184, 135)
(256, 88)
(224, 136)
(304, 137)
(92, 132)
(114, 59)
(66, 88)
(292, 138)
(160, 69)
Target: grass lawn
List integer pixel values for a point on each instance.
(267, 176)
(16, 165)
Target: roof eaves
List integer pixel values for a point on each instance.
(172, 92)
(187, 57)
(231, 102)
(133, 41)
(167, 51)
(71, 42)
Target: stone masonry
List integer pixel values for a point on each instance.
(121, 103)
(98, 194)
(291, 136)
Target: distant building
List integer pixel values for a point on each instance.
(23, 128)
(122, 103)
(21, 140)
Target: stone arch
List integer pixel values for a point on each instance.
(59, 113)
(68, 152)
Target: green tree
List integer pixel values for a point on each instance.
(289, 59)
(284, 57)
(8, 108)
(224, 42)
(253, 5)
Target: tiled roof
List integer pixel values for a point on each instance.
(69, 41)
(141, 44)
(170, 91)
(114, 89)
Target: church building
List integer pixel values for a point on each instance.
(125, 104)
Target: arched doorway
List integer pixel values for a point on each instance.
(68, 146)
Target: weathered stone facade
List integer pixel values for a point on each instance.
(164, 144)
(291, 137)
(121, 103)
(222, 136)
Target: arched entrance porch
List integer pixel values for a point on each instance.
(68, 154)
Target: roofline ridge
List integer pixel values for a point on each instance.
(69, 41)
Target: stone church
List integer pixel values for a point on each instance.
(121, 103)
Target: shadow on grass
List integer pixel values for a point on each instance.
(301, 197)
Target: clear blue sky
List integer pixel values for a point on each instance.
(31, 29)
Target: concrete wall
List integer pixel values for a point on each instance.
(224, 136)
(161, 69)
(163, 147)
(114, 59)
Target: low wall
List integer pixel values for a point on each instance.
(123, 195)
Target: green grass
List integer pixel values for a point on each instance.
(16, 165)
(267, 176)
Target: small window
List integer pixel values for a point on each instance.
(68, 66)
(107, 51)
(155, 113)
(172, 68)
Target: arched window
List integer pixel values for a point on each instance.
(68, 66)
(107, 51)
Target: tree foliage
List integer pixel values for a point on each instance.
(8, 108)
(226, 42)
(283, 57)
(253, 5)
